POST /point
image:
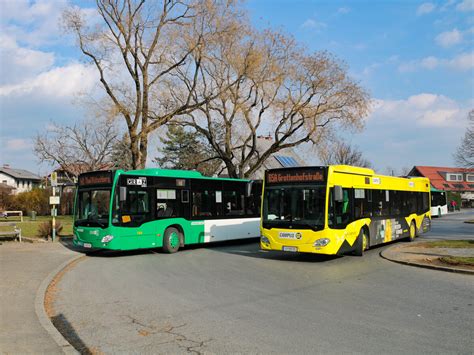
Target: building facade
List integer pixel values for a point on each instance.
(18, 179)
(456, 180)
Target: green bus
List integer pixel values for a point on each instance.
(152, 208)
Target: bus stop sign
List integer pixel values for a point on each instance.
(54, 179)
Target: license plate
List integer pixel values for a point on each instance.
(293, 249)
(87, 245)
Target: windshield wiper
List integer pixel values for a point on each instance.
(95, 220)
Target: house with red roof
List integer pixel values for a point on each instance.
(458, 180)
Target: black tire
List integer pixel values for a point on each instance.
(412, 232)
(362, 243)
(171, 240)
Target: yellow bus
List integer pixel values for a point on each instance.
(339, 209)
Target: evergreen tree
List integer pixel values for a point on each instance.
(186, 150)
(121, 155)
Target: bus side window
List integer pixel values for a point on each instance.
(426, 204)
(378, 198)
(396, 198)
(342, 210)
(362, 203)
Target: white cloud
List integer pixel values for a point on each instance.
(466, 5)
(425, 8)
(461, 62)
(422, 101)
(449, 38)
(438, 117)
(17, 144)
(429, 62)
(56, 83)
(343, 10)
(32, 23)
(368, 70)
(447, 5)
(417, 130)
(313, 25)
(21, 62)
(422, 110)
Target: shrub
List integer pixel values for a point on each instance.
(34, 200)
(45, 229)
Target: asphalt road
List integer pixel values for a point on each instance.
(235, 298)
(451, 225)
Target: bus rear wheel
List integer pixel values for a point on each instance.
(362, 243)
(171, 240)
(412, 236)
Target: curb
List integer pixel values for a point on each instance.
(425, 266)
(46, 323)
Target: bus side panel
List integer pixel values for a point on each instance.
(195, 233)
(385, 230)
(226, 229)
(153, 232)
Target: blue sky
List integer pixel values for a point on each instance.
(416, 58)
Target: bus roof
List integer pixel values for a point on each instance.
(173, 173)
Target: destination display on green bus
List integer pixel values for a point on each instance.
(96, 178)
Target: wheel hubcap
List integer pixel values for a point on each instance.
(364, 241)
(412, 231)
(174, 240)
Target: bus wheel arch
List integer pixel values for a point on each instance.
(172, 240)
(362, 242)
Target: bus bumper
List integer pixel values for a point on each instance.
(266, 243)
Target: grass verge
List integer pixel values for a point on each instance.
(30, 228)
(458, 260)
(467, 244)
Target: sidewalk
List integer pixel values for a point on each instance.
(415, 255)
(23, 268)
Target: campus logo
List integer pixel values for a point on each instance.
(298, 235)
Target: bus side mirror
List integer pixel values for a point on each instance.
(338, 197)
(248, 191)
(123, 193)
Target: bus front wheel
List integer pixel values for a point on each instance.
(362, 243)
(412, 232)
(171, 240)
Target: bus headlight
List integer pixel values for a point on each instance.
(264, 240)
(107, 238)
(321, 242)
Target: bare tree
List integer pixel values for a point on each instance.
(138, 49)
(344, 154)
(298, 97)
(464, 155)
(76, 149)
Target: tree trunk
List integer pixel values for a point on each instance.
(143, 151)
(135, 152)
